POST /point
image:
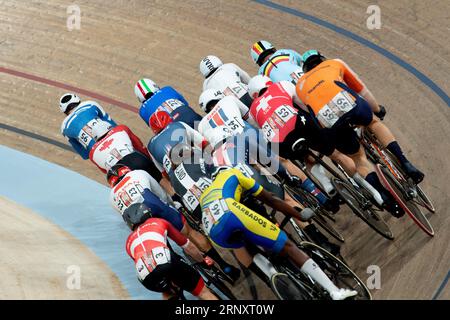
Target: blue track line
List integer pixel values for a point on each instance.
(442, 286)
(419, 75)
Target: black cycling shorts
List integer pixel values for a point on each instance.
(318, 139)
(178, 272)
(138, 161)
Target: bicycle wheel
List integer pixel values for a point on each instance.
(362, 207)
(212, 276)
(384, 157)
(285, 288)
(308, 200)
(405, 197)
(341, 275)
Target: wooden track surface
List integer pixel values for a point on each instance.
(121, 41)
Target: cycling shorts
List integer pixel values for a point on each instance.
(241, 224)
(177, 271)
(138, 161)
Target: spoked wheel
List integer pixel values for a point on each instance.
(362, 207)
(286, 288)
(406, 196)
(341, 275)
(322, 218)
(384, 157)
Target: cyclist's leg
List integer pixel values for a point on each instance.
(188, 279)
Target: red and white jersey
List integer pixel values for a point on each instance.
(131, 188)
(274, 111)
(147, 245)
(225, 120)
(118, 143)
(229, 79)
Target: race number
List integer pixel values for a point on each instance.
(141, 268)
(161, 255)
(338, 106)
(285, 113)
(167, 164)
(269, 132)
(85, 136)
(212, 213)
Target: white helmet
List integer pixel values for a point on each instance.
(256, 84)
(209, 64)
(207, 96)
(67, 100)
(100, 129)
(144, 89)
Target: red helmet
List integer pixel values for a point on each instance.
(116, 173)
(159, 120)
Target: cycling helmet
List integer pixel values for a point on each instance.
(260, 50)
(256, 84)
(68, 101)
(311, 59)
(209, 64)
(116, 173)
(100, 129)
(144, 89)
(159, 120)
(136, 214)
(207, 97)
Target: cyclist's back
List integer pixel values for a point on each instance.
(284, 64)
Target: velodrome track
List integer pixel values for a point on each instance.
(405, 63)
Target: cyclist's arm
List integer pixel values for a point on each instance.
(184, 242)
(355, 83)
(278, 204)
(245, 78)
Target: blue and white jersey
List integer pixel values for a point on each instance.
(284, 64)
(77, 126)
(160, 145)
(169, 100)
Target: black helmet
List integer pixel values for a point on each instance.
(136, 214)
(116, 173)
(311, 59)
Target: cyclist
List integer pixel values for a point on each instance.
(81, 118)
(157, 265)
(166, 99)
(278, 65)
(277, 109)
(129, 187)
(229, 135)
(336, 95)
(167, 134)
(228, 78)
(191, 175)
(229, 224)
(120, 145)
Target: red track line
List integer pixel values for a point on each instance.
(69, 88)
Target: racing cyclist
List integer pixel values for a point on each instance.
(230, 224)
(167, 99)
(227, 78)
(338, 98)
(157, 265)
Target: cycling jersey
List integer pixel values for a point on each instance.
(118, 143)
(224, 120)
(284, 64)
(274, 111)
(322, 90)
(161, 144)
(231, 80)
(147, 245)
(189, 180)
(223, 215)
(169, 100)
(77, 126)
(139, 187)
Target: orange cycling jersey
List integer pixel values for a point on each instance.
(317, 87)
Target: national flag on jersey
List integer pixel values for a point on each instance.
(218, 119)
(273, 63)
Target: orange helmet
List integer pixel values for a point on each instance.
(159, 120)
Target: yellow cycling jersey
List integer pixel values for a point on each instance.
(228, 184)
